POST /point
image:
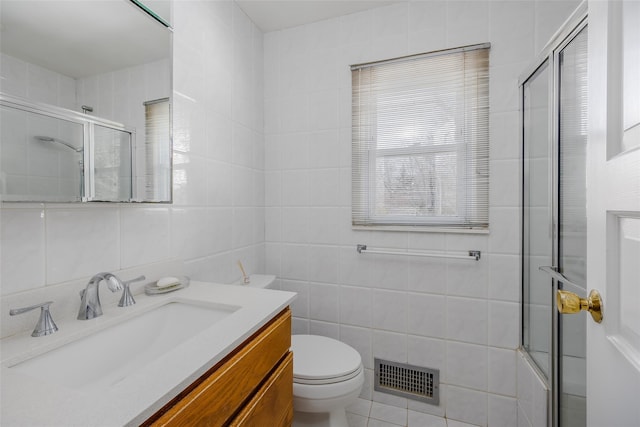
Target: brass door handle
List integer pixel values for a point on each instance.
(569, 303)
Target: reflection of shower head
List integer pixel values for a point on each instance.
(58, 141)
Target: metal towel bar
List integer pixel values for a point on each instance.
(473, 255)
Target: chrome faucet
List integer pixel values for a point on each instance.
(90, 305)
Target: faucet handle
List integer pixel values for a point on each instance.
(45, 325)
(137, 279)
(127, 299)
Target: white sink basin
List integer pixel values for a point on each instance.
(110, 355)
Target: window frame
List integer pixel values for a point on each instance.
(423, 151)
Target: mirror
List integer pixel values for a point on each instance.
(85, 101)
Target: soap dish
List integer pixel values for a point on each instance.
(153, 289)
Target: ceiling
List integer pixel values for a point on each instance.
(273, 15)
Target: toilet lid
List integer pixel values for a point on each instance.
(317, 358)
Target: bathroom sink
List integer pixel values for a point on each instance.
(108, 356)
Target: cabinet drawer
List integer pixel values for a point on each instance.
(272, 405)
(221, 393)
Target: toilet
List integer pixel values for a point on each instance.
(327, 375)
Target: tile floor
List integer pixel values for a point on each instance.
(365, 413)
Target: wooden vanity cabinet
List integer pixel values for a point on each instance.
(252, 386)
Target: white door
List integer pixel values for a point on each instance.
(613, 213)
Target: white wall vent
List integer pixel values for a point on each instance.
(413, 382)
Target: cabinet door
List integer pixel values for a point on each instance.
(221, 393)
(273, 403)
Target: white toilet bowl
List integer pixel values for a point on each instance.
(327, 374)
(327, 377)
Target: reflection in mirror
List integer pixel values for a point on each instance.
(42, 157)
(106, 58)
(112, 167)
(156, 179)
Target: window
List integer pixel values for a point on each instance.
(420, 143)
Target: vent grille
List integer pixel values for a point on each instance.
(413, 382)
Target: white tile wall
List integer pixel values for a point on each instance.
(35, 83)
(532, 395)
(22, 249)
(467, 405)
(502, 411)
(501, 361)
(80, 242)
(218, 212)
(459, 317)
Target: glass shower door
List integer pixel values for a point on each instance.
(537, 242)
(572, 225)
(554, 120)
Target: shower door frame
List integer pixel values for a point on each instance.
(550, 54)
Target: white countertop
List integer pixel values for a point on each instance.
(29, 401)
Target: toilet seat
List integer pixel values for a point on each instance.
(331, 380)
(322, 360)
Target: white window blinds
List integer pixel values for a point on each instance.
(157, 158)
(420, 143)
